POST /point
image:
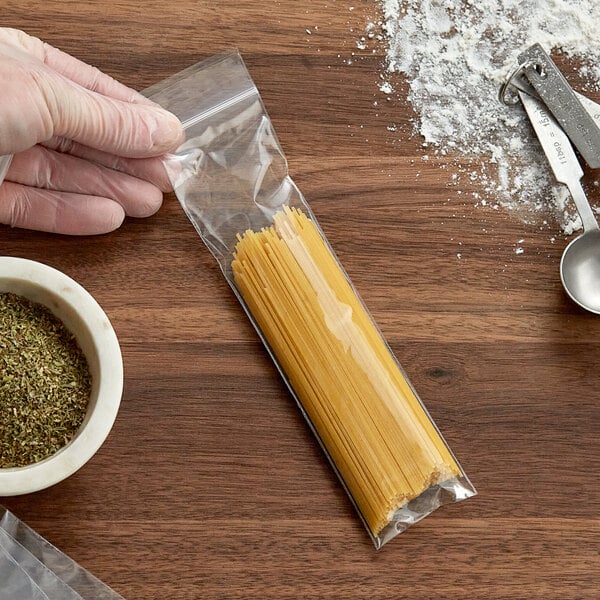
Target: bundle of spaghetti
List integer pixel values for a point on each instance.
(380, 438)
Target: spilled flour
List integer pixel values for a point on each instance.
(455, 54)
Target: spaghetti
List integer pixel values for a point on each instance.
(381, 440)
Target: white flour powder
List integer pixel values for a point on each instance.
(455, 55)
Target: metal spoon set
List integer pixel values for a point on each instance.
(561, 119)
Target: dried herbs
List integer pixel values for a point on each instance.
(45, 382)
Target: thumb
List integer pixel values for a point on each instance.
(108, 124)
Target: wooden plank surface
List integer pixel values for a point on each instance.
(210, 484)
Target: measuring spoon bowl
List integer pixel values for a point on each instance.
(580, 270)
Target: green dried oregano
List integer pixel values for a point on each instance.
(45, 382)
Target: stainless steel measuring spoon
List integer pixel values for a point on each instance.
(580, 263)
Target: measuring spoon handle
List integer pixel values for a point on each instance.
(588, 219)
(561, 156)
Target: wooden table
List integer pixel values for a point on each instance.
(210, 484)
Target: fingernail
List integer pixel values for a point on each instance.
(168, 133)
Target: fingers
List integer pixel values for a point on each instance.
(109, 171)
(148, 169)
(57, 212)
(46, 93)
(46, 169)
(122, 128)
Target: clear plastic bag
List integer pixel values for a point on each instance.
(16, 584)
(232, 181)
(31, 568)
(230, 174)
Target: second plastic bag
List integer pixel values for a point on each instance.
(232, 181)
(33, 569)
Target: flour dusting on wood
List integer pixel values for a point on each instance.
(455, 54)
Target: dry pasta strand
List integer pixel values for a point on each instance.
(382, 441)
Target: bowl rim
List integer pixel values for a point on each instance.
(15, 481)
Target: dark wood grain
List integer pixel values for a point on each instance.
(210, 484)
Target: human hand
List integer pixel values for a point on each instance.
(86, 148)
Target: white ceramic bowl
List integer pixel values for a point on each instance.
(84, 317)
